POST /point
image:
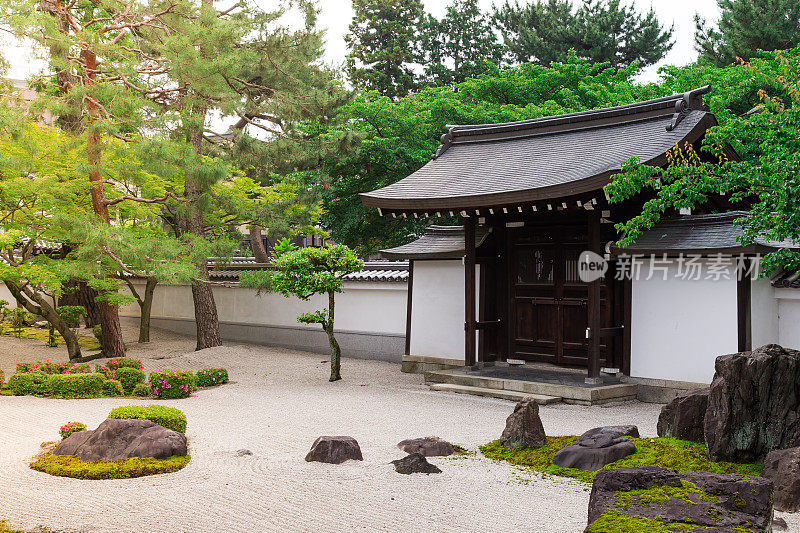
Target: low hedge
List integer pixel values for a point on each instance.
(211, 376)
(129, 377)
(169, 417)
(77, 385)
(112, 387)
(143, 390)
(124, 362)
(29, 384)
(74, 467)
(2, 378)
(170, 384)
(48, 367)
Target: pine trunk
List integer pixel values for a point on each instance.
(145, 308)
(79, 293)
(257, 245)
(336, 352)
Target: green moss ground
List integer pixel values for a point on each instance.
(90, 343)
(679, 455)
(4, 528)
(74, 467)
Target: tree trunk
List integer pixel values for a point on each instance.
(146, 306)
(79, 293)
(35, 303)
(257, 245)
(336, 352)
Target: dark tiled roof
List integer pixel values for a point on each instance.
(788, 280)
(390, 271)
(438, 242)
(715, 233)
(504, 164)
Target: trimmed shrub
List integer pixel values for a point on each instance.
(129, 377)
(169, 417)
(48, 367)
(2, 378)
(78, 368)
(168, 384)
(74, 467)
(105, 370)
(142, 389)
(112, 387)
(121, 362)
(71, 427)
(77, 385)
(211, 376)
(29, 383)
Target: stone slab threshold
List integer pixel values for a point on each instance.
(493, 393)
(569, 393)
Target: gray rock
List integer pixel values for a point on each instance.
(753, 404)
(782, 467)
(415, 463)
(114, 440)
(523, 426)
(334, 450)
(779, 524)
(682, 418)
(597, 448)
(243, 452)
(427, 446)
(726, 503)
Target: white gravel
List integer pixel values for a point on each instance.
(278, 402)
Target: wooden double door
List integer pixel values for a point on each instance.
(548, 301)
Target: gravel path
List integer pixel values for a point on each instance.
(278, 402)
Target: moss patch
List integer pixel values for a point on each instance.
(613, 521)
(679, 455)
(43, 334)
(4, 528)
(72, 466)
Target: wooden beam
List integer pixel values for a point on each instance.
(595, 319)
(743, 305)
(469, 291)
(408, 305)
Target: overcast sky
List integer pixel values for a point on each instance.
(336, 15)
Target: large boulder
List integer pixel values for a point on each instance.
(597, 448)
(753, 404)
(427, 446)
(782, 467)
(711, 502)
(334, 450)
(415, 463)
(114, 440)
(523, 426)
(682, 418)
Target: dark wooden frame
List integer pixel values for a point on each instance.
(743, 305)
(409, 302)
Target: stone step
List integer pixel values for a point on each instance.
(541, 399)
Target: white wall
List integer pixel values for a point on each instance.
(788, 317)
(763, 313)
(437, 309)
(679, 327)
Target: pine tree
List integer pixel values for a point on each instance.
(746, 26)
(383, 45)
(459, 46)
(601, 31)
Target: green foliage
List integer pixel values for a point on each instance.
(682, 456)
(18, 318)
(90, 343)
(168, 417)
(112, 387)
(29, 384)
(615, 521)
(71, 314)
(382, 45)
(2, 378)
(76, 385)
(208, 377)
(168, 384)
(765, 181)
(71, 427)
(129, 378)
(97, 331)
(143, 390)
(74, 467)
(124, 362)
(601, 31)
(747, 26)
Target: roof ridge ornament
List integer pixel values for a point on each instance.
(446, 141)
(691, 101)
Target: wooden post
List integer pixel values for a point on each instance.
(469, 291)
(409, 301)
(743, 304)
(594, 303)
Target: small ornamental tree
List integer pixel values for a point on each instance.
(303, 273)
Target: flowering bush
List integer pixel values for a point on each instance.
(71, 427)
(129, 377)
(78, 368)
(105, 370)
(29, 383)
(120, 362)
(169, 417)
(112, 387)
(48, 367)
(2, 378)
(211, 376)
(143, 390)
(76, 385)
(172, 383)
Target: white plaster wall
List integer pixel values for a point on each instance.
(362, 307)
(763, 313)
(788, 317)
(679, 327)
(437, 309)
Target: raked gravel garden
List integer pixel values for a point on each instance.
(276, 404)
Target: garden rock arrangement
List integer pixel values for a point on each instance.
(415, 463)
(782, 467)
(682, 418)
(523, 426)
(753, 404)
(662, 497)
(334, 450)
(115, 440)
(597, 448)
(427, 446)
